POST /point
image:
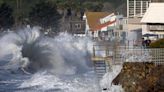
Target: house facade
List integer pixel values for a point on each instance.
(137, 8)
(103, 25)
(77, 28)
(135, 11)
(92, 20)
(153, 20)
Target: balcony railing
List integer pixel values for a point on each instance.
(156, 27)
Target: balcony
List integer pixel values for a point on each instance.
(156, 27)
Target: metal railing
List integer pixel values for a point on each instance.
(130, 54)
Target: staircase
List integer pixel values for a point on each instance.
(100, 68)
(118, 59)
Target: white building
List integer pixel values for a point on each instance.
(135, 11)
(137, 8)
(153, 20)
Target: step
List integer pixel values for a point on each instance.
(100, 65)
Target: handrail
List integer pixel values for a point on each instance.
(134, 54)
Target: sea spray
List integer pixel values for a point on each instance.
(53, 83)
(106, 81)
(58, 64)
(28, 48)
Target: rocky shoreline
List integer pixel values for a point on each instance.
(141, 77)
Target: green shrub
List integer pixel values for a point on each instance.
(157, 44)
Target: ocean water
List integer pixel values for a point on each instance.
(32, 62)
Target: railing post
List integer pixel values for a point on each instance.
(107, 51)
(94, 51)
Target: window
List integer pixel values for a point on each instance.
(78, 26)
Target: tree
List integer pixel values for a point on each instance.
(6, 16)
(45, 15)
(96, 6)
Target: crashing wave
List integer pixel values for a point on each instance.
(31, 51)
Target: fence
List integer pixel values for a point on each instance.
(122, 54)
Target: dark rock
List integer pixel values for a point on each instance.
(141, 77)
(104, 88)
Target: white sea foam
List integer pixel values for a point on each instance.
(28, 48)
(61, 64)
(75, 83)
(106, 82)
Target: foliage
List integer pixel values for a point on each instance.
(93, 6)
(157, 44)
(45, 15)
(6, 18)
(22, 8)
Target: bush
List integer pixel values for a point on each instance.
(157, 44)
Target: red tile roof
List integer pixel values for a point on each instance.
(93, 19)
(98, 27)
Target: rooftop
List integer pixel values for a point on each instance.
(154, 14)
(93, 18)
